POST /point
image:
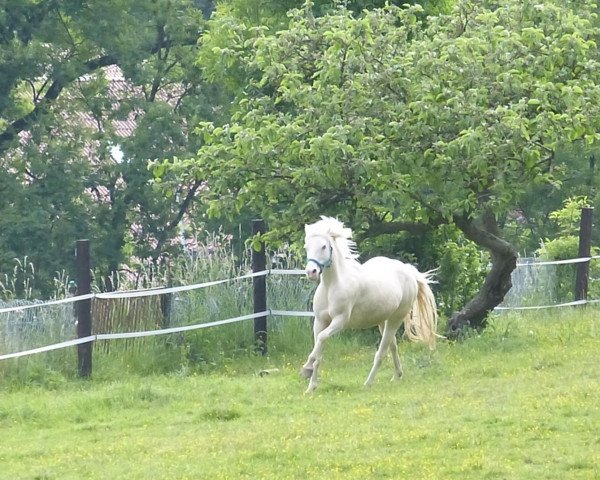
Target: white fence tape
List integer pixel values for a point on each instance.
(278, 271)
(556, 305)
(149, 333)
(55, 346)
(47, 304)
(164, 331)
(163, 291)
(558, 262)
(288, 313)
(539, 307)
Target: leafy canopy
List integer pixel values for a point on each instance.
(63, 112)
(383, 116)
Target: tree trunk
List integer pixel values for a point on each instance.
(498, 281)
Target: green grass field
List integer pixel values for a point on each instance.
(520, 401)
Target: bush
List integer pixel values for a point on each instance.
(462, 270)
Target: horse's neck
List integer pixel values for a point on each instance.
(341, 269)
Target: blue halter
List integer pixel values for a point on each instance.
(326, 263)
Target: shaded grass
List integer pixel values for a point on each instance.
(518, 401)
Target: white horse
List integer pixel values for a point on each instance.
(382, 292)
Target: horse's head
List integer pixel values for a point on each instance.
(319, 255)
(323, 239)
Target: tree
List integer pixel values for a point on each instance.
(69, 169)
(531, 222)
(399, 124)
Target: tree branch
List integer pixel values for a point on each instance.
(61, 80)
(185, 204)
(483, 237)
(58, 84)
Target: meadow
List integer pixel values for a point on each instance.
(518, 401)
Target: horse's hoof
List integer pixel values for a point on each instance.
(306, 372)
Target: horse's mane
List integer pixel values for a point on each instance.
(341, 236)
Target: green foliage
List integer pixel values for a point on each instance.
(63, 113)
(530, 221)
(567, 218)
(382, 115)
(462, 269)
(229, 43)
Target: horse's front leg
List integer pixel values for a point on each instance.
(314, 359)
(307, 369)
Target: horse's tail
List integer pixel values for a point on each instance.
(421, 323)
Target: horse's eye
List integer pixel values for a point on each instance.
(323, 247)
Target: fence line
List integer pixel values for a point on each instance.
(164, 290)
(559, 262)
(149, 291)
(149, 333)
(47, 304)
(558, 305)
(146, 292)
(268, 312)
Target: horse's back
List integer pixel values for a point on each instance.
(388, 289)
(390, 270)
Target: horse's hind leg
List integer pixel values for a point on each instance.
(396, 358)
(388, 336)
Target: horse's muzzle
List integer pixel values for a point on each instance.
(313, 272)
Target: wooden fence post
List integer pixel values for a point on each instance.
(585, 250)
(84, 307)
(166, 302)
(259, 285)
